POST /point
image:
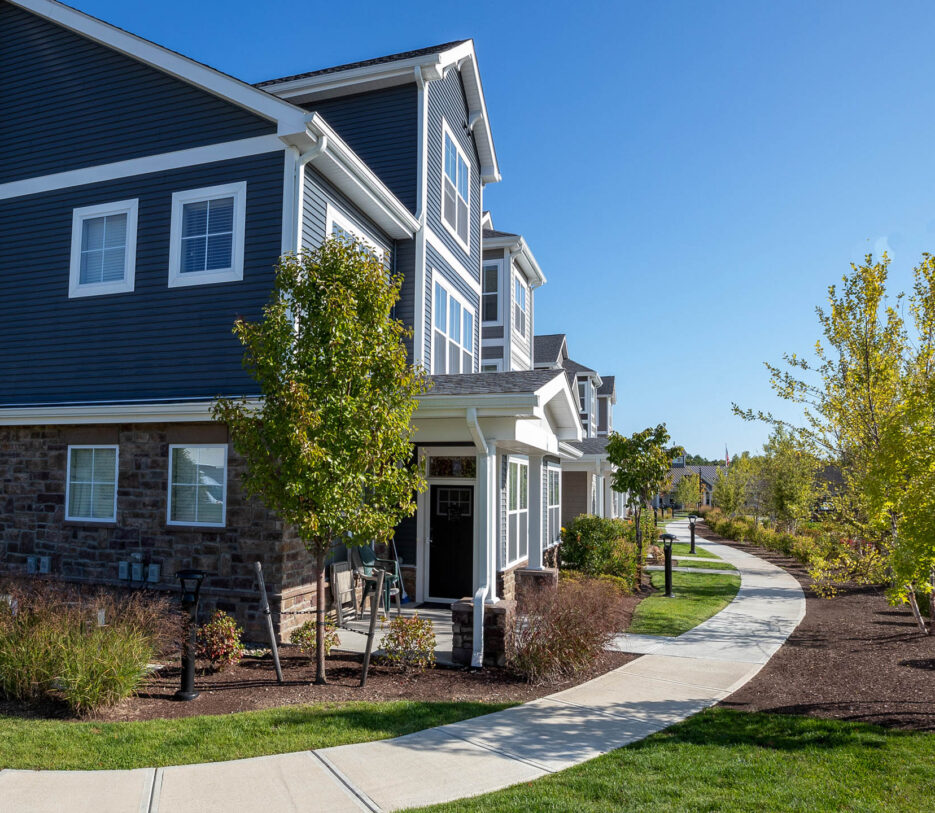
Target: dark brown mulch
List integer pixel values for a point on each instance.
(853, 657)
(251, 684)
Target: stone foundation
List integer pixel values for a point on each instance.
(529, 582)
(506, 581)
(499, 619)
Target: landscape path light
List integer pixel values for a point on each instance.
(692, 519)
(190, 581)
(667, 540)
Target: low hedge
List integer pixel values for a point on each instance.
(806, 547)
(597, 546)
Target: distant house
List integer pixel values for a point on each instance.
(708, 477)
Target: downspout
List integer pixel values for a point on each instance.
(320, 145)
(420, 271)
(482, 567)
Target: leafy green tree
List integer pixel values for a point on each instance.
(688, 491)
(732, 486)
(328, 446)
(789, 472)
(642, 463)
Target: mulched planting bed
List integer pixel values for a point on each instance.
(251, 684)
(853, 657)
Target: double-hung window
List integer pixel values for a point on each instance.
(206, 239)
(91, 484)
(554, 505)
(520, 312)
(490, 302)
(517, 511)
(456, 189)
(453, 342)
(339, 226)
(103, 249)
(197, 485)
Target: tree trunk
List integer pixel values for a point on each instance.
(639, 546)
(932, 604)
(915, 610)
(320, 677)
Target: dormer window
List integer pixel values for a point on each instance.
(519, 307)
(456, 189)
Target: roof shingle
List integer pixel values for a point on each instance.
(491, 383)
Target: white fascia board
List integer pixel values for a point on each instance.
(341, 165)
(569, 452)
(557, 394)
(512, 405)
(187, 411)
(289, 118)
(522, 254)
(477, 110)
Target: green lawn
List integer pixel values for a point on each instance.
(60, 744)
(683, 548)
(690, 561)
(697, 596)
(728, 760)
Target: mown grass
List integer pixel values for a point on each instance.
(728, 760)
(690, 561)
(696, 597)
(61, 744)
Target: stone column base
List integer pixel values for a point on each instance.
(499, 619)
(530, 581)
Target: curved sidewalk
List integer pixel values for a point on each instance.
(676, 678)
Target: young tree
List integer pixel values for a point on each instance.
(688, 491)
(328, 445)
(789, 472)
(642, 463)
(731, 491)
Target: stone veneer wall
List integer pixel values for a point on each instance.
(33, 461)
(506, 581)
(499, 619)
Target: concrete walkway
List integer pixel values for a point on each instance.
(679, 677)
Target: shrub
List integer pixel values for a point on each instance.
(219, 641)
(564, 631)
(409, 642)
(598, 546)
(305, 637)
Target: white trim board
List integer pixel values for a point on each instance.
(457, 265)
(143, 166)
(189, 411)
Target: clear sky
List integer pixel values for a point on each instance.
(691, 176)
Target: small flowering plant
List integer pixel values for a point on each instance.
(219, 641)
(305, 637)
(410, 642)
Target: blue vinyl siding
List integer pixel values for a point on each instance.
(446, 101)
(435, 265)
(68, 102)
(406, 307)
(155, 342)
(382, 127)
(318, 194)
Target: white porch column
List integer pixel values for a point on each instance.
(609, 506)
(535, 512)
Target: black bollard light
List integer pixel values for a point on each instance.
(692, 519)
(667, 540)
(190, 581)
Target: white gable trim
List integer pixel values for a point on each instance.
(289, 118)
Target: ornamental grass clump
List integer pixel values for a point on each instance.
(305, 638)
(219, 641)
(409, 643)
(562, 632)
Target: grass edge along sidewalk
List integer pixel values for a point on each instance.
(696, 598)
(28, 743)
(739, 761)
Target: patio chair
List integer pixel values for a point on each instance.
(365, 561)
(342, 590)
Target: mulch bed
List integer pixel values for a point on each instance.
(251, 685)
(853, 657)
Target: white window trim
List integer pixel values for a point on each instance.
(550, 470)
(75, 288)
(517, 277)
(187, 524)
(500, 297)
(334, 216)
(441, 212)
(498, 363)
(437, 278)
(116, 448)
(233, 274)
(522, 461)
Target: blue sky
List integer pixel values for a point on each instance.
(691, 176)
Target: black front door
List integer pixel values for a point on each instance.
(451, 552)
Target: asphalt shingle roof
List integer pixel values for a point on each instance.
(607, 385)
(708, 473)
(548, 347)
(489, 234)
(491, 383)
(432, 49)
(590, 445)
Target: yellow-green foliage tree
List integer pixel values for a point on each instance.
(688, 491)
(732, 486)
(328, 445)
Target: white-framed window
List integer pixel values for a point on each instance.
(554, 505)
(520, 306)
(453, 332)
(197, 484)
(582, 395)
(456, 188)
(492, 284)
(207, 235)
(91, 484)
(491, 366)
(339, 225)
(517, 510)
(103, 249)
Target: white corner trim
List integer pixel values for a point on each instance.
(233, 273)
(288, 117)
(143, 166)
(456, 265)
(78, 289)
